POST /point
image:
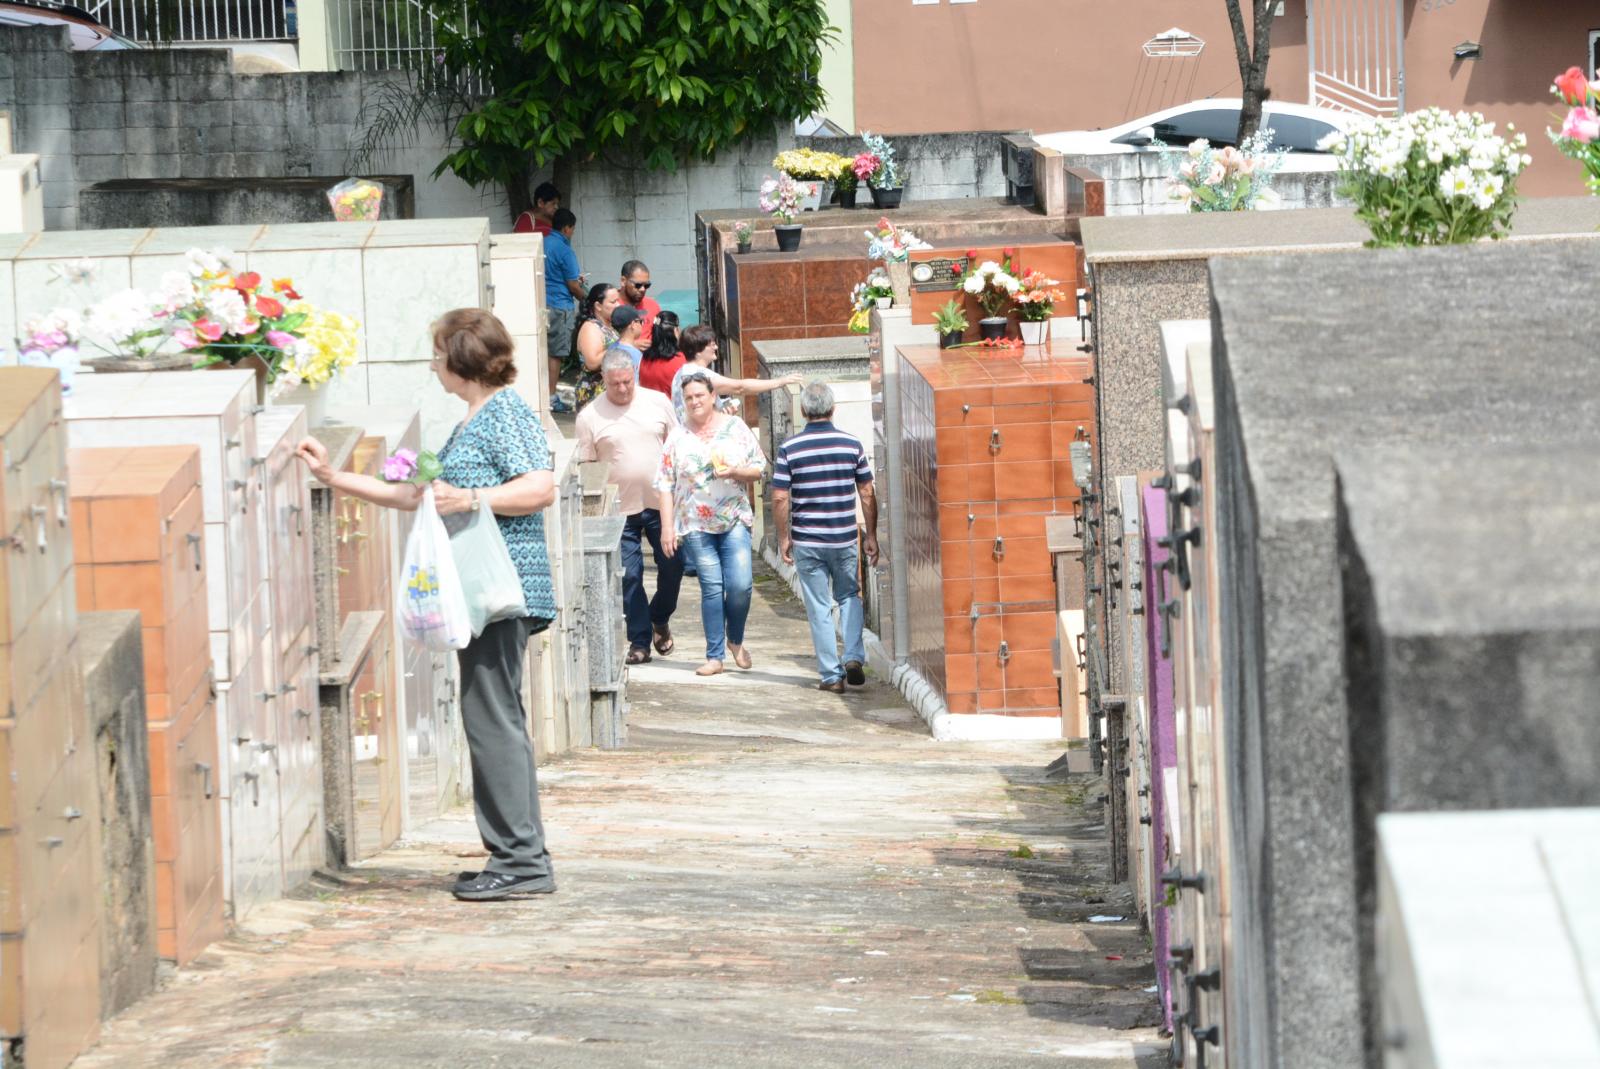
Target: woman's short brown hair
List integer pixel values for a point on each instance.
(694, 339)
(476, 346)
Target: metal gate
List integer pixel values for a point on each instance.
(162, 21)
(1357, 55)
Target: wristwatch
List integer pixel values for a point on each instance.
(474, 499)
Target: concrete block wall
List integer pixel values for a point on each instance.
(1136, 182)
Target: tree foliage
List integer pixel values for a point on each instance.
(1252, 54)
(663, 80)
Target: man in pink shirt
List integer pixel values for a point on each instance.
(626, 427)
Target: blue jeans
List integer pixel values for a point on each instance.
(828, 577)
(644, 613)
(722, 562)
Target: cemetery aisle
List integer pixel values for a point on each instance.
(768, 876)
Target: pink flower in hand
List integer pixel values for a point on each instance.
(401, 466)
(1582, 124)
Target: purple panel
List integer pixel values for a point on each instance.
(1162, 729)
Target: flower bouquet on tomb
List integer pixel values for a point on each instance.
(1036, 299)
(1579, 136)
(994, 287)
(356, 200)
(1208, 179)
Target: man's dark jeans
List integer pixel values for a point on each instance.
(644, 613)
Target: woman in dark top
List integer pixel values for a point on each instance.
(662, 360)
(592, 337)
(497, 454)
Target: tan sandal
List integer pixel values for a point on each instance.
(710, 668)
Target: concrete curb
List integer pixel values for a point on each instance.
(924, 697)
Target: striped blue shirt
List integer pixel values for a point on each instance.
(821, 467)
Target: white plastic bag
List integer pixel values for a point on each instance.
(489, 580)
(429, 597)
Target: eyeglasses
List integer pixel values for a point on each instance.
(638, 285)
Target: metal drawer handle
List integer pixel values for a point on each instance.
(312, 650)
(241, 740)
(194, 542)
(59, 487)
(39, 512)
(254, 779)
(999, 547)
(994, 440)
(50, 842)
(306, 715)
(299, 520)
(267, 695)
(233, 443)
(205, 770)
(1005, 651)
(287, 688)
(71, 813)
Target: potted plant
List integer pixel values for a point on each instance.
(741, 234)
(1429, 177)
(1229, 179)
(882, 173)
(780, 198)
(880, 289)
(814, 171)
(994, 287)
(1035, 299)
(1579, 136)
(951, 322)
(845, 183)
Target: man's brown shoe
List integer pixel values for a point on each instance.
(836, 686)
(854, 674)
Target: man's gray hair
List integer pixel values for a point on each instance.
(616, 360)
(816, 401)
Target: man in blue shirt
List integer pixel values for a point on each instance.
(815, 481)
(563, 289)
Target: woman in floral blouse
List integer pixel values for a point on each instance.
(707, 467)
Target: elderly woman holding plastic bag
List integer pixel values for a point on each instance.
(497, 460)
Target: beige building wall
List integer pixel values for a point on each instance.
(838, 74)
(1045, 65)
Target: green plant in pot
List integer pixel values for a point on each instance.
(780, 198)
(742, 231)
(951, 322)
(845, 182)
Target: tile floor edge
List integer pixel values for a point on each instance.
(924, 698)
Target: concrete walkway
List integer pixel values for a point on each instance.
(770, 876)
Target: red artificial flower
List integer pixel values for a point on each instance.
(270, 307)
(1008, 252)
(208, 330)
(246, 282)
(285, 286)
(972, 254)
(1573, 86)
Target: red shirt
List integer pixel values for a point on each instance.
(528, 223)
(658, 374)
(650, 309)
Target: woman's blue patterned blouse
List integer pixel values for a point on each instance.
(502, 441)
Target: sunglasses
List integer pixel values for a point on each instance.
(638, 285)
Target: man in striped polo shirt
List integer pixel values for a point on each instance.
(815, 482)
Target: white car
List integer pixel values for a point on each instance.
(1296, 127)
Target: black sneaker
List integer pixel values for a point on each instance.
(487, 886)
(854, 674)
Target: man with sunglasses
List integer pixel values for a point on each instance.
(635, 287)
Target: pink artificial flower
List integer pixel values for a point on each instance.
(1218, 173)
(1582, 124)
(208, 330)
(865, 166)
(187, 339)
(401, 466)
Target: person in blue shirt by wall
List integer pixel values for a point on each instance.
(563, 289)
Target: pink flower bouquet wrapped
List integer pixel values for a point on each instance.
(356, 200)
